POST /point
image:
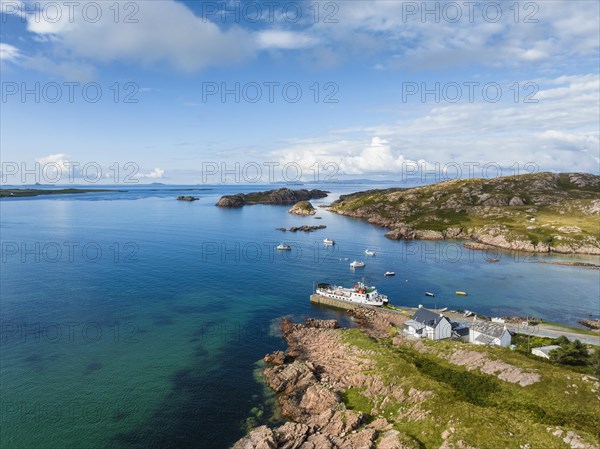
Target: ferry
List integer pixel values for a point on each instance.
(357, 264)
(359, 294)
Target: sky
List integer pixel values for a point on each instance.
(216, 91)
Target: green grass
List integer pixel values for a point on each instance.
(484, 409)
(426, 208)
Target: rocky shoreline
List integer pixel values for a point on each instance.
(309, 378)
(489, 237)
(277, 197)
(534, 213)
(322, 378)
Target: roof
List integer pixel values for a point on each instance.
(488, 328)
(415, 324)
(461, 331)
(485, 339)
(546, 349)
(427, 317)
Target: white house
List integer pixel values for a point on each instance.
(487, 333)
(428, 324)
(544, 351)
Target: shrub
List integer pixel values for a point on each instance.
(571, 353)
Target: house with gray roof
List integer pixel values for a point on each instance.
(544, 351)
(428, 324)
(488, 333)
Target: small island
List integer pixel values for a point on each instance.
(282, 196)
(539, 212)
(19, 193)
(303, 228)
(303, 208)
(187, 198)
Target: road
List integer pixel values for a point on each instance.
(541, 330)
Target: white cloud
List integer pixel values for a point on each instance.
(558, 133)
(285, 40)
(157, 173)
(9, 52)
(166, 31)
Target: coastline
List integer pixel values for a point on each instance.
(477, 239)
(371, 388)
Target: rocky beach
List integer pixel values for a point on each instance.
(371, 388)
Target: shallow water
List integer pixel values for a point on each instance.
(138, 320)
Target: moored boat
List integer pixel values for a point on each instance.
(462, 294)
(429, 294)
(359, 294)
(357, 264)
(329, 242)
(389, 273)
(283, 247)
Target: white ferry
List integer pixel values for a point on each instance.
(359, 294)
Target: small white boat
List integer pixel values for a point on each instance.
(369, 252)
(357, 264)
(328, 242)
(429, 294)
(468, 313)
(389, 273)
(443, 309)
(282, 247)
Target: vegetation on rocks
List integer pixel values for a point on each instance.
(281, 196)
(540, 212)
(369, 388)
(303, 208)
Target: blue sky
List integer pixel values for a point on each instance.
(365, 58)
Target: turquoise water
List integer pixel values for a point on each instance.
(150, 338)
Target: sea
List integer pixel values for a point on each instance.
(132, 320)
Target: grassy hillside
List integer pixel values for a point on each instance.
(473, 407)
(534, 212)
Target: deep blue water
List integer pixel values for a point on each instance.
(134, 320)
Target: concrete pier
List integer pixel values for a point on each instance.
(332, 302)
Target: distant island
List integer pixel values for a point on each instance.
(282, 196)
(17, 193)
(540, 212)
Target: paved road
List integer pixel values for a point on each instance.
(542, 330)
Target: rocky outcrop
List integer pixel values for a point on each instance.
(309, 378)
(281, 197)
(303, 208)
(531, 213)
(232, 201)
(309, 383)
(591, 324)
(187, 198)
